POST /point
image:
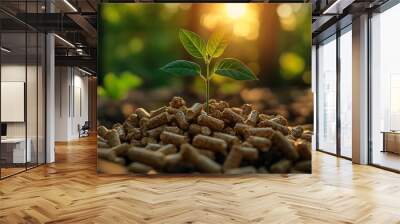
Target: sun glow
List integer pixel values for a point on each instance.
(242, 18)
(236, 10)
(210, 21)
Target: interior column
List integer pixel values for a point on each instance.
(360, 90)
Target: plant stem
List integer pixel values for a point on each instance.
(207, 85)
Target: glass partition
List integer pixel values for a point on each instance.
(14, 151)
(327, 95)
(22, 77)
(385, 89)
(31, 97)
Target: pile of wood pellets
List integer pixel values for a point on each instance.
(229, 140)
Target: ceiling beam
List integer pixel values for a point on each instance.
(337, 7)
(86, 27)
(79, 61)
(320, 23)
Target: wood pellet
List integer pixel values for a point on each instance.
(210, 143)
(181, 138)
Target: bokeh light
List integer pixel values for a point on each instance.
(236, 10)
(284, 10)
(292, 64)
(241, 29)
(287, 16)
(111, 15)
(136, 45)
(209, 20)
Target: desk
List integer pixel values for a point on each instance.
(391, 141)
(15, 148)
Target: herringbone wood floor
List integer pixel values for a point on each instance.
(70, 191)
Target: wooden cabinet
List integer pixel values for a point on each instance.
(391, 142)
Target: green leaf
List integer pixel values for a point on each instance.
(182, 67)
(193, 43)
(216, 44)
(235, 69)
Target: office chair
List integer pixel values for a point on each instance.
(84, 130)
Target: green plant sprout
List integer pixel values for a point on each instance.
(214, 48)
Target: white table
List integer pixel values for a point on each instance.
(18, 145)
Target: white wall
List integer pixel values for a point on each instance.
(33, 127)
(62, 81)
(71, 94)
(16, 73)
(80, 112)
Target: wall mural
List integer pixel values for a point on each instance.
(216, 88)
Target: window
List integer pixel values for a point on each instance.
(327, 96)
(346, 93)
(385, 88)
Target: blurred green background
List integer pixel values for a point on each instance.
(273, 40)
